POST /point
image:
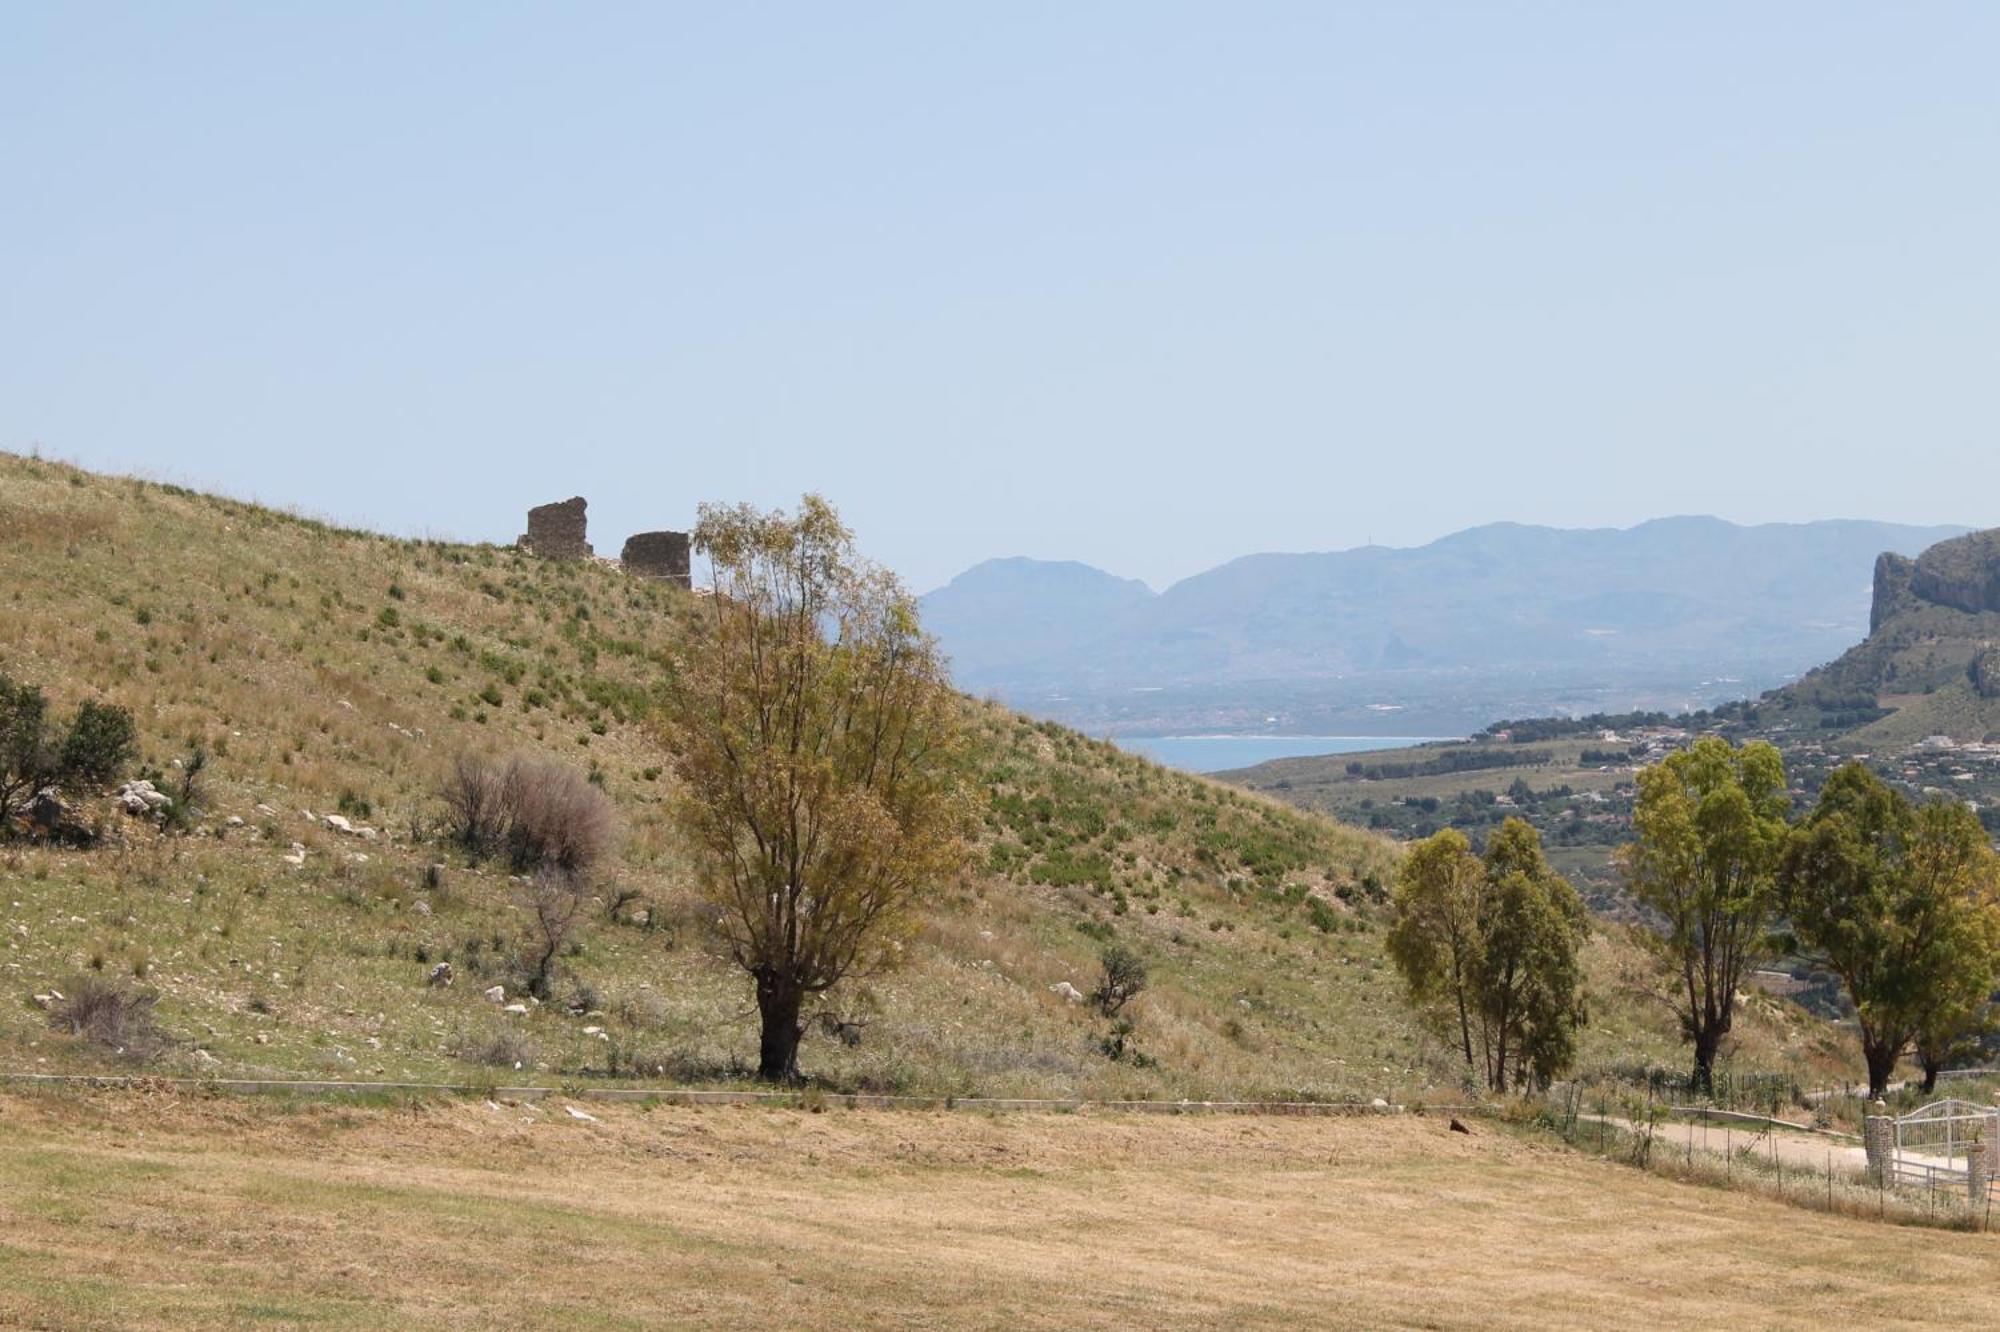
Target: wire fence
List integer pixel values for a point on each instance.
(1818, 1171)
(1730, 1088)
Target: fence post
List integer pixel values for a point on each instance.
(1878, 1140)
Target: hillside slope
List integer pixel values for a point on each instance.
(328, 670)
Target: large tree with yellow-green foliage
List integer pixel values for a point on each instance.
(1487, 946)
(819, 750)
(1712, 825)
(1902, 902)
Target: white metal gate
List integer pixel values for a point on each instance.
(1949, 1143)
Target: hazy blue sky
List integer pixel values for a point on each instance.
(1146, 285)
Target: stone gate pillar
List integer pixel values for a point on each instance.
(1878, 1140)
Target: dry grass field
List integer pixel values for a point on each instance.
(136, 1209)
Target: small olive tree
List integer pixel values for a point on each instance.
(819, 750)
(37, 750)
(1124, 976)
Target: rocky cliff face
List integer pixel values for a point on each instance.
(1892, 586)
(1962, 574)
(1932, 655)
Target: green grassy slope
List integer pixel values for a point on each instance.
(328, 670)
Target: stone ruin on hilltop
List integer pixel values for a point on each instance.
(662, 555)
(556, 531)
(559, 532)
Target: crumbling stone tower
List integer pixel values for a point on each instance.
(556, 531)
(662, 555)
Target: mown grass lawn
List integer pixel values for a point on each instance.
(157, 1210)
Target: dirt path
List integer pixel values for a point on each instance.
(1810, 1151)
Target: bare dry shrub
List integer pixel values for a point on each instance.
(112, 1014)
(502, 1047)
(471, 790)
(551, 824)
(555, 818)
(538, 813)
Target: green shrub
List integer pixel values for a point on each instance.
(89, 752)
(1124, 976)
(98, 747)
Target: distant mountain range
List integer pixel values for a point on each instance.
(1672, 602)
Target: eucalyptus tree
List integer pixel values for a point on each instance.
(1712, 827)
(1488, 949)
(1437, 939)
(1901, 901)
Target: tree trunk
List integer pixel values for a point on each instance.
(1881, 1058)
(545, 965)
(1930, 1075)
(779, 1001)
(1706, 1043)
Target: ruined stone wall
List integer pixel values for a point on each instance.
(662, 555)
(557, 531)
